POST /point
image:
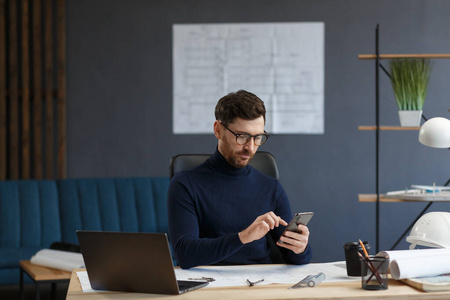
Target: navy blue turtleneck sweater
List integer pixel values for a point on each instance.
(209, 205)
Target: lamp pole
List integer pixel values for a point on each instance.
(377, 140)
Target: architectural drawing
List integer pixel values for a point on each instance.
(282, 63)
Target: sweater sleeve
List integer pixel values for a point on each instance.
(284, 211)
(190, 250)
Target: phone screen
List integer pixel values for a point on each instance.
(299, 218)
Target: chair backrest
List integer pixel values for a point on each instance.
(262, 161)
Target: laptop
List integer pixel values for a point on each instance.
(131, 262)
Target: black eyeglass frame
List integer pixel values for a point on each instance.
(237, 135)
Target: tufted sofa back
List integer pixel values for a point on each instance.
(121, 204)
(36, 213)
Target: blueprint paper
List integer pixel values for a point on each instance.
(282, 63)
(418, 263)
(288, 274)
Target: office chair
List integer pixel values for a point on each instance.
(262, 161)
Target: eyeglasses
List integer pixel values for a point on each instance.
(244, 138)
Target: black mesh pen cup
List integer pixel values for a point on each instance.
(352, 258)
(374, 273)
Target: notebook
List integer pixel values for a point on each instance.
(131, 262)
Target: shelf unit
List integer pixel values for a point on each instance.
(390, 56)
(438, 197)
(365, 127)
(377, 128)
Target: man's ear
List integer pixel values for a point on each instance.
(217, 132)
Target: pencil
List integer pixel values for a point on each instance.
(369, 264)
(364, 249)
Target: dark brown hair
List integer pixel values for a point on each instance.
(241, 104)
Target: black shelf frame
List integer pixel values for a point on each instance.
(378, 65)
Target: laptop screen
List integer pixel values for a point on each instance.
(131, 262)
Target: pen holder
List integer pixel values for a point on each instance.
(352, 261)
(374, 273)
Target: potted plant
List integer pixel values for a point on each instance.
(409, 79)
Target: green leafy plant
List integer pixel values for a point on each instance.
(409, 79)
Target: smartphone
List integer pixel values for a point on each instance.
(299, 218)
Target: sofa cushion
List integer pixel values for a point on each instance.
(112, 204)
(11, 276)
(10, 256)
(29, 213)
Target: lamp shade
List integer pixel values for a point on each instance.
(435, 133)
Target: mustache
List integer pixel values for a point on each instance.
(245, 152)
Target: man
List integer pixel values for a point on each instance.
(221, 211)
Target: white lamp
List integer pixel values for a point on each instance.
(432, 229)
(435, 133)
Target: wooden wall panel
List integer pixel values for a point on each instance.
(32, 89)
(25, 92)
(61, 91)
(13, 154)
(37, 162)
(48, 75)
(3, 107)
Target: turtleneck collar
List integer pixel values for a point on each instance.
(220, 163)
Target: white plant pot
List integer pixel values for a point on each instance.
(410, 118)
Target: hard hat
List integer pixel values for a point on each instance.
(431, 230)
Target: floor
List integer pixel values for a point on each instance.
(11, 292)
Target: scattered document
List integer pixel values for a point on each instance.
(85, 283)
(418, 263)
(227, 276)
(288, 274)
(57, 259)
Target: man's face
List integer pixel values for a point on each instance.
(238, 155)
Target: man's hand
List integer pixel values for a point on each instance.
(260, 227)
(295, 241)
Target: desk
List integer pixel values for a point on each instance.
(335, 290)
(41, 275)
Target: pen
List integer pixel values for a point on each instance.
(208, 279)
(252, 283)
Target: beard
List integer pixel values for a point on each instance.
(235, 159)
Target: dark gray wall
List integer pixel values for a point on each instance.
(120, 104)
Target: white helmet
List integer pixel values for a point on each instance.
(431, 230)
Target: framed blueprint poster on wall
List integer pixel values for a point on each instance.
(282, 63)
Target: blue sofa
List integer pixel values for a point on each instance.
(36, 213)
